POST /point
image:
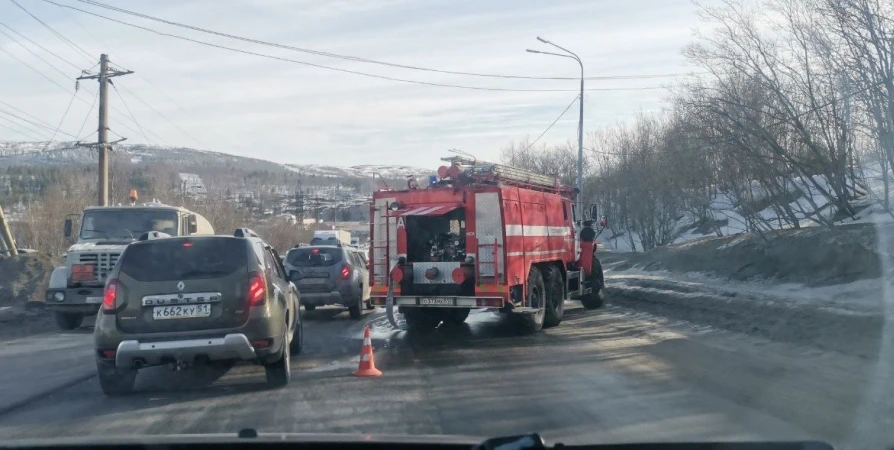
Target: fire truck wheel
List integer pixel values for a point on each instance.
(456, 316)
(596, 298)
(536, 298)
(555, 296)
(422, 319)
(68, 321)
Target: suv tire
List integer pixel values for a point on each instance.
(356, 308)
(112, 380)
(280, 372)
(68, 321)
(297, 339)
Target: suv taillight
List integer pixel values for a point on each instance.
(109, 296)
(345, 272)
(257, 289)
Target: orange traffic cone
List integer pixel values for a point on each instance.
(367, 367)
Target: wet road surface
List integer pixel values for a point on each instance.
(610, 375)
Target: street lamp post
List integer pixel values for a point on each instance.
(580, 124)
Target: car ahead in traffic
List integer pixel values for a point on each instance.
(195, 300)
(330, 275)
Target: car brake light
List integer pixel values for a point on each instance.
(345, 272)
(257, 289)
(187, 244)
(109, 296)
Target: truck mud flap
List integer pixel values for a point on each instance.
(389, 305)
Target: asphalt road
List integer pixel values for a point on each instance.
(612, 375)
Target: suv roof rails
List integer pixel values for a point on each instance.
(149, 235)
(245, 232)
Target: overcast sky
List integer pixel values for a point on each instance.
(291, 113)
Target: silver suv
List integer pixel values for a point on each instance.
(330, 275)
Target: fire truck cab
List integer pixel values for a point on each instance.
(481, 235)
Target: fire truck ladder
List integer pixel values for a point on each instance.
(385, 249)
(512, 175)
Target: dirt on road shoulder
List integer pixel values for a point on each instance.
(812, 256)
(23, 282)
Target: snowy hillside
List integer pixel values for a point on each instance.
(361, 171)
(41, 153)
(728, 219)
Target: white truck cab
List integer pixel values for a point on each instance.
(76, 289)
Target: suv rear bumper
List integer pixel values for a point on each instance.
(325, 298)
(229, 347)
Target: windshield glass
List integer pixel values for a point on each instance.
(603, 221)
(127, 223)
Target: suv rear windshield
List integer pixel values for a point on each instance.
(180, 259)
(310, 257)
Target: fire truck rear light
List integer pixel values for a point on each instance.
(459, 275)
(489, 302)
(397, 274)
(432, 273)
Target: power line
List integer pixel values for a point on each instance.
(573, 101)
(42, 152)
(87, 117)
(56, 33)
(47, 125)
(140, 127)
(33, 123)
(24, 124)
(164, 116)
(33, 69)
(354, 72)
(41, 47)
(356, 58)
(145, 80)
(64, 115)
(27, 133)
(34, 53)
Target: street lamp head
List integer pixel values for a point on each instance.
(531, 51)
(542, 40)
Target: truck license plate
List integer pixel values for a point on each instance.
(312, 281)
(94, 299)
(436, 301)
(181, 311)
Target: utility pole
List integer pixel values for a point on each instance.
(6, 238)
(103, 145)
(580, 125)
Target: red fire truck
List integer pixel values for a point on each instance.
(481, 235)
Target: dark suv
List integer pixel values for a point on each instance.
(192, 300)
(330, 275)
